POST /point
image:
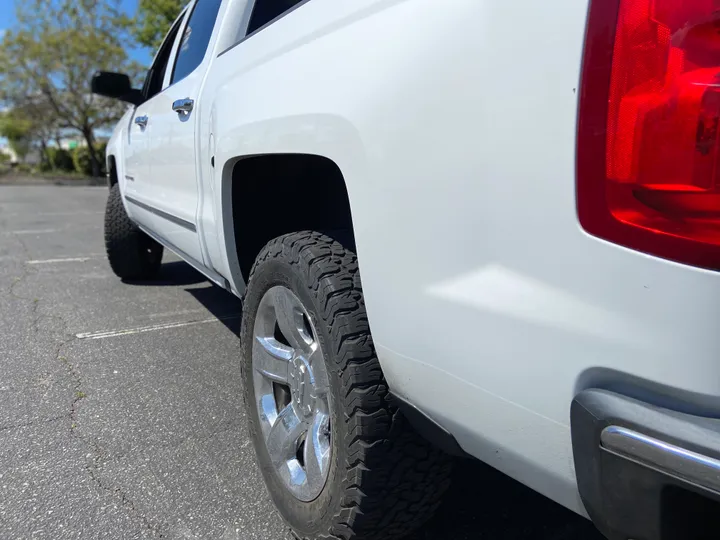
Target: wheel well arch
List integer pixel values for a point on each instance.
(112, 171)
(275, 194)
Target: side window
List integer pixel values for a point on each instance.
(195, 38)
(266, 10)
(156, 75)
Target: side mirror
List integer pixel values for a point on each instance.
(116, 86)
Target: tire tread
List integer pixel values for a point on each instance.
(126, 245)
(393, 479)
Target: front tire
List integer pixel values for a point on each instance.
(338, 458)
(132, 254)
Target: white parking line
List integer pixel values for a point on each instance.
(80, 213)
(72, 259)
(142, 329)
(44, 214)
(35, 231)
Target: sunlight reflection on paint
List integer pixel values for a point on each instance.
(503, 291)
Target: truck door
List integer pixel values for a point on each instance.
(138, 180)
(173, 116)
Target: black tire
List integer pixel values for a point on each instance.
(132, 254)
(384, 480)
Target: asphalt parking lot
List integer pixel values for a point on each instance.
(120, 409)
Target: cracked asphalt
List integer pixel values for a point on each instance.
(120, 409)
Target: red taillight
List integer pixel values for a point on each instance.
(648, 133)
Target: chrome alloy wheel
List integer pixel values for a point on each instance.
(292, 393)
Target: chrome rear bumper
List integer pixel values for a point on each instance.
(646, 472)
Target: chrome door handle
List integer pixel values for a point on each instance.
(141, 121)
(183, 105)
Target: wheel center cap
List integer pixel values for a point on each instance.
(302, 386)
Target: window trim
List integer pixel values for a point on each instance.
(264, 26)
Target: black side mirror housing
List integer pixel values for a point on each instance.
(116, 86)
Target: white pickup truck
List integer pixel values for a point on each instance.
(531, 194)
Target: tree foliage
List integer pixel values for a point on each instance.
(39, 121)
(153, 20)
(81, 158)
(18, 131)
(48, 59)
(59, 159)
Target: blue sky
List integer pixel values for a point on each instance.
(7, 20)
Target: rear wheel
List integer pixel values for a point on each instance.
(132, 253)
(339, 459)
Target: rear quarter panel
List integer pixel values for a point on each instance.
(454, 126)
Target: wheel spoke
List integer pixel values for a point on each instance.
(289, 316)
(317, 364)
(272, 359)
(283, 436)
(317, 452)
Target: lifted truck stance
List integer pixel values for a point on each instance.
(531, 193)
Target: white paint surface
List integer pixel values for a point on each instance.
(454, 126)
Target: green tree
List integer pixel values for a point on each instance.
(41, 122)
(51, 55)
(153, 21)
(17, 130)
(81, 158)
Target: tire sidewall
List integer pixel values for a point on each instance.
(312, 517)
